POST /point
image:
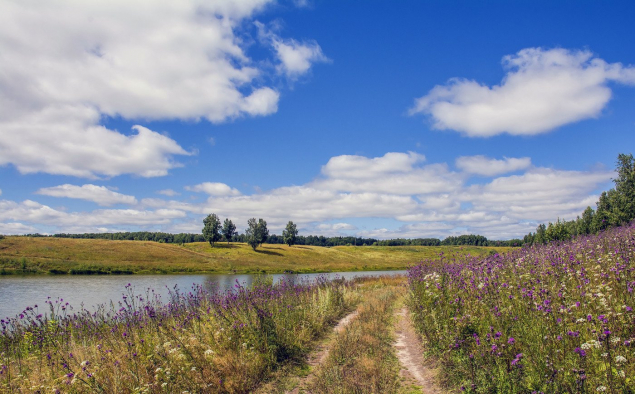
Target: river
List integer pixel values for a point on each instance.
(19, 292)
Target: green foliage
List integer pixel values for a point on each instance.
(256, 233)
(290, 234)
(211, 230)
(180, 238)
(615, 207)
(229, 230)
(558, 231)
(475, 240)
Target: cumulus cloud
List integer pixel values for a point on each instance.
(502, 207)
(168, 192)
(214, 189)
(542, 90)
(16, 229)
(295, 58)
(481, 165)
(540, 194)
(98, 194)
(35, 213)
(67, 64)
(393, 173)
(356, 167)
(336, 226)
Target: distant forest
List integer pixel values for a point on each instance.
(314, 240)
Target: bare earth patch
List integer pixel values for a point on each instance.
(415, 368)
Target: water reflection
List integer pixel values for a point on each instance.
(18, 292)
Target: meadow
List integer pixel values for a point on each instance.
(199, 341)
(547, 319)
(41, 255)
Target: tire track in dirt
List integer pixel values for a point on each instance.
(415, 368)
(320, 354)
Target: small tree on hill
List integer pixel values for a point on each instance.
(263, 232)
(229, 229)
(211, 228)
(290, 234)
(256, 233)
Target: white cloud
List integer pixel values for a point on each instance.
(335, 227)
(503, 207)
(356, 167)
(214, 189)
(38, 214)
(393, 173)
(168, 192)
(16, 229)
(543, 89)
(540, 194)
(481, 165)
(98, 194)
(66, 64)
(305, 205)
(296, 58)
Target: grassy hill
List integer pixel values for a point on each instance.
(91, 256)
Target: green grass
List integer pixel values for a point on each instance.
(23, 255)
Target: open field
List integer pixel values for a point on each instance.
(91, 256)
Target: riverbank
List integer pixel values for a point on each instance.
(25, 255)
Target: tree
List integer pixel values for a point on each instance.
(557, 231)
(625, 188)
(290, 233)
(211, 228)
(604, 216)
(263, 233)
(585, 224)
(229, 229)
(256, 233)
(540, 237)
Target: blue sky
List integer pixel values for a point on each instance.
(376, 118)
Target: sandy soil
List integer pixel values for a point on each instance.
(415, 369)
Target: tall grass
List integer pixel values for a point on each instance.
(199, 341)
(553, 319)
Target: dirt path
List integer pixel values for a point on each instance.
(415, 368)
(320, 354)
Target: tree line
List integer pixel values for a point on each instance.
(614, 208)
(309, 240)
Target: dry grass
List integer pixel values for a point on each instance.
(363, 359)
(60, 255)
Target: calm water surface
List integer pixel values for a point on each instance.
(18, 292)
